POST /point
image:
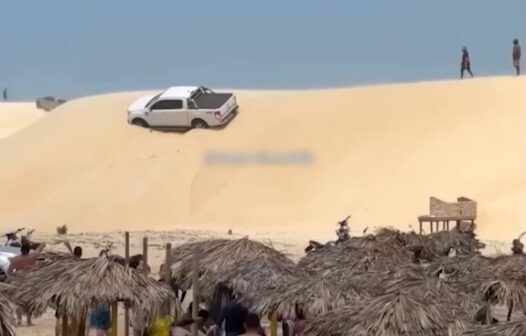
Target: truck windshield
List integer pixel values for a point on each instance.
(153, 100)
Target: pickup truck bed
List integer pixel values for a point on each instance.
(212, 100)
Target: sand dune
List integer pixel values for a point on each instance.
(16, 116)
(379, 153)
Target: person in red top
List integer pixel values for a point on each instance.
(465, 64)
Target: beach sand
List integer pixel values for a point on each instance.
(16, 116)
(378, 153)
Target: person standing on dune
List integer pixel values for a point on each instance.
(465, 64)
(516, 56)
(5, 94)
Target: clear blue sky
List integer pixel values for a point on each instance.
(78, 47)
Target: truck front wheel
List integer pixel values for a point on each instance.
(199, 123)
(139, 122)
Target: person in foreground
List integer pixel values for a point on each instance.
(24, 262)
(100, 319)
(253, 326)
(234, 315)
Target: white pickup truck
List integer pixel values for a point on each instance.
(183, 107)
(6, 252)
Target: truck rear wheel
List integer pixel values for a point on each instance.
(199, 123)
(139, 122)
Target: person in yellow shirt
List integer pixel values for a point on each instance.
(161, 326)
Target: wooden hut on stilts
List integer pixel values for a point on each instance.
(463, 211)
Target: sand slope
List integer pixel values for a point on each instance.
(379, 153)
(16, 116)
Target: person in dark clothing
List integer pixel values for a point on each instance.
(5, 94)
(253, 326)
(135, 261)
(179, 293)
(234, 315)
(516, 56)
(77, 252)
(465, 63)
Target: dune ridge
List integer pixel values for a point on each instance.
(378, 154)
(15, 116)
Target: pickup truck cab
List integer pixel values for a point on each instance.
(6, 252)
(183, 107)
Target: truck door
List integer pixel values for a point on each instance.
(168, 113)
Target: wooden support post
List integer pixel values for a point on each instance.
(458, 226)
(168, 264)
(438, 226)
(73, 331)
(443, 225)
(65, 325)
(274, 324)
(420, 222)
(82, 326)
(447, 225)
(431, 226)
(114, 318)
(195, 290)
(145, 255)
(127, 258)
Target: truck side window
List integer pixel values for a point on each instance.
(168, 105)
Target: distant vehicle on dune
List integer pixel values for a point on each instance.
(48, 103)
(183, 107)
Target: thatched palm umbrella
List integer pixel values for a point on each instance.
(459, 267)
(313, 295)
(433, 288)
(220, 256)
(517, 328)
(373, 257)
(7, 317)
(249, 279)
(506, 287)
(441, 244)
(392, 314)
(74, 286)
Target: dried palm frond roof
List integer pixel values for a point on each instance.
(388, 247)
(429, 287)
(460, 267)
(517, 328)
(499, 280)
(249, 279)
(392, 314)
(74, 286)
(313, 295)
(220, 256)
(435, 244)
(346, 256)
(506, 286)
(516, 261)
(7, 317)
